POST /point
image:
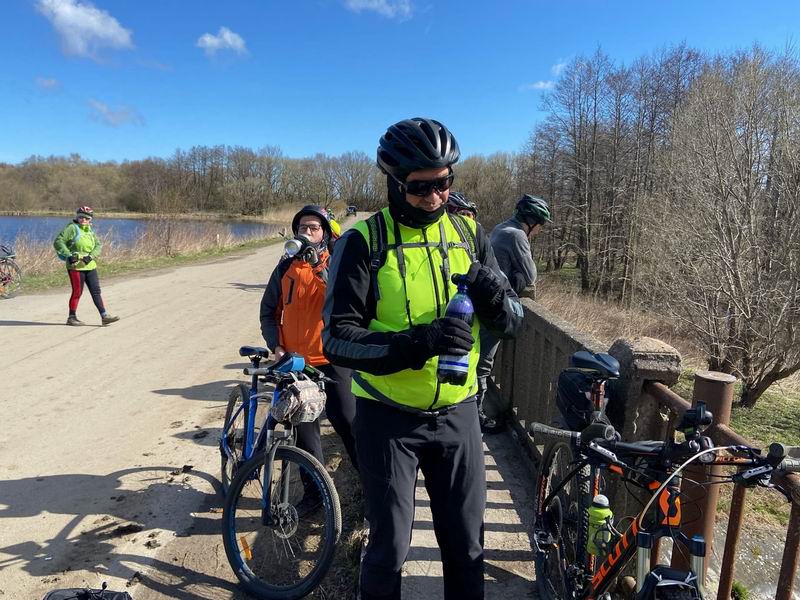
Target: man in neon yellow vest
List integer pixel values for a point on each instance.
(390, 281)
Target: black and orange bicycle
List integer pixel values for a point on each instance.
(580, 552)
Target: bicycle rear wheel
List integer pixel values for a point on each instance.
(10, 278)
(234, 435)
(561, 527)
(287, 559)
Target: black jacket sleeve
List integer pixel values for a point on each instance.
(349, 308)
(506, 322)
(272, 306)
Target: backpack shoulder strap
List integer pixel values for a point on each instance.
(378, 247)
(466, 234)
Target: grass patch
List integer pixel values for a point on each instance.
(774, 418)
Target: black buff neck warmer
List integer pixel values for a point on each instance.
(406, 214)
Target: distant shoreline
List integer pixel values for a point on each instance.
(195, 216)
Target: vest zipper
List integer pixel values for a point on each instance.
(438, 307)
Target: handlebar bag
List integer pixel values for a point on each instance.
(300, 402)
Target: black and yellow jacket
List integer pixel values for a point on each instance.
(369, 319)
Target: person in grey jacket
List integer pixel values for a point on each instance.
(511, 242)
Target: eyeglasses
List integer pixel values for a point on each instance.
(88, 219)
(424, 187)
(311, 228)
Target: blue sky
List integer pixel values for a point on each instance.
(121, 79)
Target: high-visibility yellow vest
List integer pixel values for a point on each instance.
(413, 288)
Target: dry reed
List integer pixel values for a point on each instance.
(159, 239)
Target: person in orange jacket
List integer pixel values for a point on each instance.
(291, 321)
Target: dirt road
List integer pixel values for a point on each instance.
(108, 459)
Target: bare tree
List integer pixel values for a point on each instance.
(730, 267)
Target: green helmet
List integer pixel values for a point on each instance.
(532, 210)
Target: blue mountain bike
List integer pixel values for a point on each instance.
(282, 519)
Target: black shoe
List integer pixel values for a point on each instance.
(489, 425)
(311, 502)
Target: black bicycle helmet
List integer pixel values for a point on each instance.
(416, 144)
(316, 211)
(532, 210)
(457, 201)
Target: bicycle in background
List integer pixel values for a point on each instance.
(580, 553)
(10, 273)
(282, 519)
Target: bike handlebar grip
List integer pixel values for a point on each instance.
(538, 428)
(600, 431)
(260, 371)
(777, 450)
(790, 465)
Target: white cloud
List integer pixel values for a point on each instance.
(538, 85)
(114, 118)
(48, 84)
(400, 9)
(224, 40)
(557, 68)
(83, 28)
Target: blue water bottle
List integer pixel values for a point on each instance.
(453, 368)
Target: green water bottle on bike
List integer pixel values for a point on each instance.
(600, 521)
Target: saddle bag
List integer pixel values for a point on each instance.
(574, 399)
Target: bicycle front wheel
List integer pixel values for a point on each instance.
(281, 552)
(234, 435)
(561, 526)
(10, 278)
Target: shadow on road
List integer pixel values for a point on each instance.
(30, 323)
(214, 390)
(249, 287)
(131, 504)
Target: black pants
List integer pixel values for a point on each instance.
(340, 407)
(392, 445)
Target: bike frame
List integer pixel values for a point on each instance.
(667, 521)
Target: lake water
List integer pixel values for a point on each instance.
(123, 231)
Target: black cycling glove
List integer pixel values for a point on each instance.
(73, 259)
(485, 289)
(87, 259)
(442, 336)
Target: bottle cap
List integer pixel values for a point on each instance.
(600, 501)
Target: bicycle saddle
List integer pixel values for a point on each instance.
(254, 350)
(601, 363)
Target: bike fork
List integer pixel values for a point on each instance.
(273, 440)
(697, 561)
(644, 548)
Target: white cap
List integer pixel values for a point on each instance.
(600, 501)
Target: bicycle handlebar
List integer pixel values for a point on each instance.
(538, 428)
(778, 457)
(595, 431)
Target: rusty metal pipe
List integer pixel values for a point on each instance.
(731, 543)
(716, 390)
(790, 556)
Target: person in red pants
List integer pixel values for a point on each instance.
(79, 246)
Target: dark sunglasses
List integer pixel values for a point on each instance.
(424, 188)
